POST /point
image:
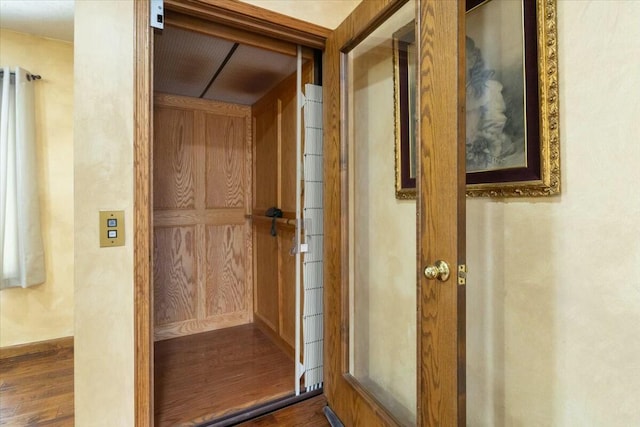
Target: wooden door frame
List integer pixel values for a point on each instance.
(233, 14)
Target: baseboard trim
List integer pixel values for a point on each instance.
(35, 347)
(259, 321)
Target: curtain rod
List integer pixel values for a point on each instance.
(29, 76)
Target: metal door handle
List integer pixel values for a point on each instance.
(439, 270)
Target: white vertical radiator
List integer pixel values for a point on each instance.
(312, 265)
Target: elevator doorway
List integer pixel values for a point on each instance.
(224, 277)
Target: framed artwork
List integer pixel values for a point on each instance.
(404, 91)
(512, 134)
(512, 125)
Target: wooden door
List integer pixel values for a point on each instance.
(394, 340)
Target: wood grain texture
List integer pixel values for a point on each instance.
(307, 413)
(266, 131)
(220, 169)
(235, 35)
(174, 161)
(441, 210)
(142, 216)
(253, 19)
(205, 105)
(239, 17)
(37, 386)
(287, 286)
(226, 289)
(275, 185)
(204, 376)
(225, 140)
(200, 216)
(31, 348)
(174, 274)
(273, 334)
(286, 93)
(196, 326)
(266, 292)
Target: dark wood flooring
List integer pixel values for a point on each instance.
(37, 389)
(198, 378)
(205, 376)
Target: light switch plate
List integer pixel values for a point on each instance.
(111, 228)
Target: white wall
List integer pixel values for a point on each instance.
(553, 297)
(103, 159)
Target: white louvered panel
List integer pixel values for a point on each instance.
(313, 261)
(313, 167)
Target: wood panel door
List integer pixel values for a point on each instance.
(394, 340)
(202, 267)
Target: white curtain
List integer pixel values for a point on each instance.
(22, 258)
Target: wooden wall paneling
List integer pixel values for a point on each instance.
(286, 95)
(207, 142)
(265, 161)
(174, 274)
(286, 92)
(174, 159)
(225, 270)
(225, 166)
(248, 210)
(278, 103)
(199, 148)
(196, 326)
(279, 107)
(266, 278)
(210, 216)
(286, 285)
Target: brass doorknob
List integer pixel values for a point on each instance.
(439, 270)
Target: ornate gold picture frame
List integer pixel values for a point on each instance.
(404, 87)
(512, 142)
(512, 138)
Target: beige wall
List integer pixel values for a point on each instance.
(45, 311)
(327, 13)
(103, 158)
(554, 289)
(553, 303)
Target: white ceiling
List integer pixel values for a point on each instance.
(45, 18)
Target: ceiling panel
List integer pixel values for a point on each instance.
(250, 74)
(185, 61)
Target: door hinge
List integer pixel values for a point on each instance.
(156, 13)
(462, 274)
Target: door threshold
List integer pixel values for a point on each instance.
(259, 410)
(333, 419)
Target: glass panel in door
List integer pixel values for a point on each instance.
(380, 72)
